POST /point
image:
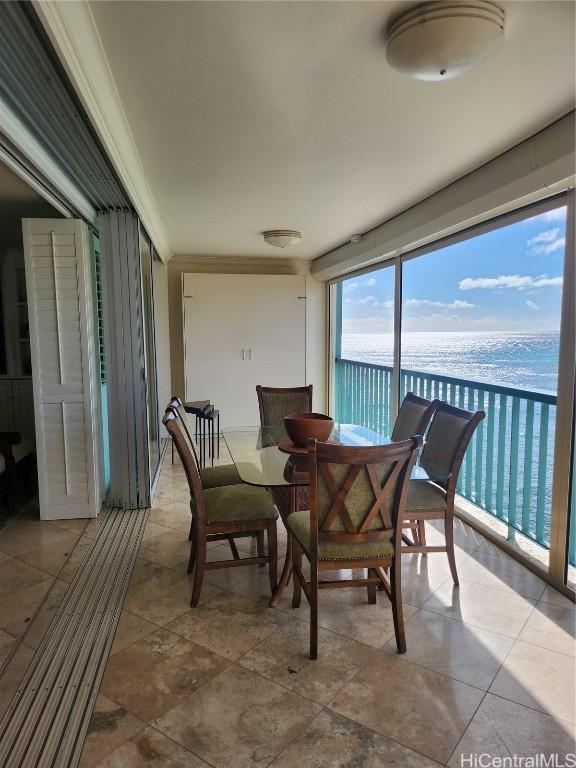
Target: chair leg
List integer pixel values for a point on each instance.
(397, 614)
(273, 555)
(193, 548)
(449, 535)
(233, 548)
(284, 576)
(297, 587)
(260, 546)
(199, 570)
(313, 610)
(422, 535)
(371, 588)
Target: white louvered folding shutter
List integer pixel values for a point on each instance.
(64, 366)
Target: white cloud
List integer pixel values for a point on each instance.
(350, 287)
(371, 282)
(366, 300)
(456, 304)
(373, 324)
(557, 214)
(518, 282)
(545, 242)
(532, 304)
(545, 237)
(455, 322)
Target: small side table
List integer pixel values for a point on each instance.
(207, 428)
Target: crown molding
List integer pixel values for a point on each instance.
(241, 265)
(73, 32)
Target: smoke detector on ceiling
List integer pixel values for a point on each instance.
(282, 238)
(440, 40)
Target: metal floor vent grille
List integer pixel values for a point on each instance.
(47, 720)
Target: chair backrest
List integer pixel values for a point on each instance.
(277, 402)
(448, 438)
(357, 493)
(413, 417)
(177, 431)
(177, 406)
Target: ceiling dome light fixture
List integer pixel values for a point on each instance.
(282, 238)
(440, 40)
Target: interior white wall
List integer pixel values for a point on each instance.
(162, 322)
(316, 355)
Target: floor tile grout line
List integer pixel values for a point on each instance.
(237, 661)
(22, 637)
(101, 541)
(68, 602)
(108, 637)
(231, 589)
(466, 727)
(514, 640)
(53, 631)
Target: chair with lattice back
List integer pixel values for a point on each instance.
(357, 495)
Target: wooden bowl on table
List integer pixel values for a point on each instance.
(302, 426)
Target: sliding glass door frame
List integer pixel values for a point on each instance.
(561, 485)
(565, 409)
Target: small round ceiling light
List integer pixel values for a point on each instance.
(282, 238)
(441, 40)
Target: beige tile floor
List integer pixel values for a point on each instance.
(38, 559)
(490, 666)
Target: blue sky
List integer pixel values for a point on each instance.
(509, 279)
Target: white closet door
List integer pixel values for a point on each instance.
(240, 331)
(60, 300)
(215, 344)
(276, 333)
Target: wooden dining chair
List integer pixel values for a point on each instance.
(413, 417)
(276, 402)
(357, 496)
(217, 513)
(448, 438)
(211, 477)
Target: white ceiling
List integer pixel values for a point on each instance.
(18, 201)
(14, 190)
(259, 115)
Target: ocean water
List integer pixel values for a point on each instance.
(522, 360)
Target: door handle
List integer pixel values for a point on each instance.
(243, 354)
(250, 353)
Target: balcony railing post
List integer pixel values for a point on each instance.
(501, 458)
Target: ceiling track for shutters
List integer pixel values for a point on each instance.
(42, 114)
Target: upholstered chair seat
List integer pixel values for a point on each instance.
(214, 477)
(237, 503)
(299, 524)
(424, 495)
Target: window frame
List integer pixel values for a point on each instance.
(557, 571)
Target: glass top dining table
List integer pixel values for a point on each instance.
(260, 462)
